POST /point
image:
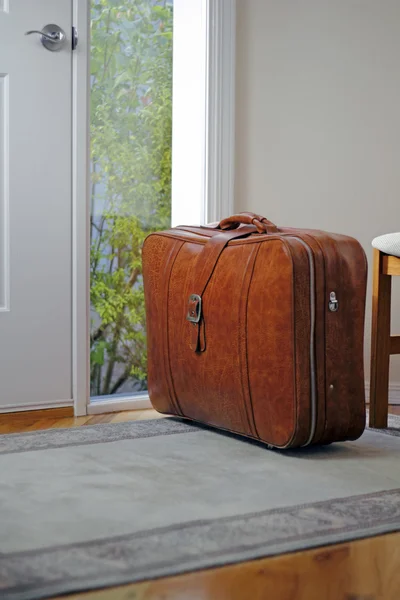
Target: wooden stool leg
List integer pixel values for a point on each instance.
(380, 348)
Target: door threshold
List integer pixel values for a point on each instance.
(97, 407)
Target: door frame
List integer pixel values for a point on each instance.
(80, 208)
(206, 97)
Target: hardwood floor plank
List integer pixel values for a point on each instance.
(129, 415)
(136, 415)
(74, 422)
(35, 422)
(14, 428)
(152, 414)
(41, 424)
(71, 422)
(98, 419)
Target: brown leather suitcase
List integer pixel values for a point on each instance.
(257, 330)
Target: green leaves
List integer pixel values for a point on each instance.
(131, 128)
(97, 354)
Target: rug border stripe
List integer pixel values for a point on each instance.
(33, 441)
(217, 557)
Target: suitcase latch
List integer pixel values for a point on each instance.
(194, 309)
(333, 302)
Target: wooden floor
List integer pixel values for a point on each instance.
(363, 570)
(63, 417)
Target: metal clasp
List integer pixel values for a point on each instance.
(333, 302)
(194, 309)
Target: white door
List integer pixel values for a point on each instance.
(35, 207)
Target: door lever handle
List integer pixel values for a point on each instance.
(52, 37)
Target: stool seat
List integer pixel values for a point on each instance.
(388, 243)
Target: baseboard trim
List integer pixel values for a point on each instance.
(14, 408)
(36, 415)
(394, 392)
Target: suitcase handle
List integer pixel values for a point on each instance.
(262, 224)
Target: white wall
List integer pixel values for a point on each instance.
(318, 119)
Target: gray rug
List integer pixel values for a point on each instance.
(110, 504)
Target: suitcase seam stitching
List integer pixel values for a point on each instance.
(246, 365)
(167, 361)
(296, 408)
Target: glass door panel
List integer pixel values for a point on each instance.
(131, 128)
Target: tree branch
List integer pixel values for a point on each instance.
(121, 380)
(99, 333)
(132, 278)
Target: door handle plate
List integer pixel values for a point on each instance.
(52, 37)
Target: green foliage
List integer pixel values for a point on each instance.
(131, 126)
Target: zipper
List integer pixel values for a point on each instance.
(313, 374)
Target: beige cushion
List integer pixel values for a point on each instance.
(388, 243)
